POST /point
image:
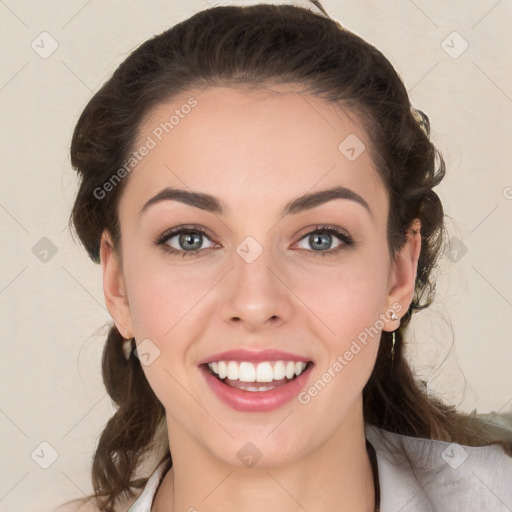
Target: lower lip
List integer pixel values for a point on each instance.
(256, 401)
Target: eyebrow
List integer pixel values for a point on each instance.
(212, 204)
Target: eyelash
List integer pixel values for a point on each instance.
(346, 239)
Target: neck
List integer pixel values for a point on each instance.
(336, 476)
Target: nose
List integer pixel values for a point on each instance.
(256, 295)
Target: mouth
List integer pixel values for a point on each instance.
(259, 377)
(256, 387)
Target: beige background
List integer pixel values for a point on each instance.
(53, 319)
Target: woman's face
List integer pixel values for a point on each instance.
(258, 280)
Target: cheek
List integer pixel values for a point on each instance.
(168, 306)
(347, 297)
(348, 302)
(163, 296)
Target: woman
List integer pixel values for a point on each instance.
(259, 192)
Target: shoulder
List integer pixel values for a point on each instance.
(438, 475)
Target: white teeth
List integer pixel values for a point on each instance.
(290, 369)
(252, 388)
(262, 372)
(279, 371)
(246, 372)
(223, 369)
(232, 370)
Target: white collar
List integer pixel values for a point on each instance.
(427, 475)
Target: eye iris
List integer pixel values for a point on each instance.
(327, 240)
(186, 238)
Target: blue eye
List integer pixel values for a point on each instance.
(321, 237)
(189, 240)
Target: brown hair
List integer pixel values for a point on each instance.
(260, 46)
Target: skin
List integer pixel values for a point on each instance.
(256, 151)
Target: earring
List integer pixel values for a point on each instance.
(394, 316)
(127, 348)
(392, 355)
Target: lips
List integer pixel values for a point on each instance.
(257, 396)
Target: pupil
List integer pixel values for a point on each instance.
(327, 240)
(189, 238)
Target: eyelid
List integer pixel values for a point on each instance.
(178, 230)
(184, 227)
(325, 228)
(346, 240)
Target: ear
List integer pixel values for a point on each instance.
(114, 288)
(403, 276)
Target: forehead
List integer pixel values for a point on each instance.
(246, 143)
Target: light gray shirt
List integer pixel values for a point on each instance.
(419, 475)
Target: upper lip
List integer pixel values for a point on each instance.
(255, 356)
